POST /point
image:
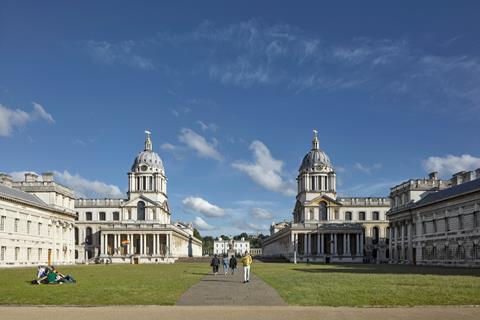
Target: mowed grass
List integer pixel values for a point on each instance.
(371, 285)
(160, 284)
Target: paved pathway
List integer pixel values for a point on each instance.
(221, 290)
(235, 313)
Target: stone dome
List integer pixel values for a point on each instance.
(148, 160)
(315, 158)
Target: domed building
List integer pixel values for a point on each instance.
(137, 229)
(326, 227)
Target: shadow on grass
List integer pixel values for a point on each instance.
(391, 269)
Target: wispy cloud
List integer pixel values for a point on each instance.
(11, 119)
(202, 225)
(124, 52)
(207, 126)
(266, 171)
(199, 144)
(367, 168)
(260, 213)
(88, 188)
(450, 164)
(199, 205)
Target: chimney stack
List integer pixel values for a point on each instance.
(47, 176)
(433, 175)
(6, 180)
(30, 177)
(457, 178)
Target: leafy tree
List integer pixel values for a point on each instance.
(196, 234)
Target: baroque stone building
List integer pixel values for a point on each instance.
(326, 227)
(36, 222)
(436, 222)
(137, 229)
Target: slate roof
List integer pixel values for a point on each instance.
(20, 195)
(444, 194)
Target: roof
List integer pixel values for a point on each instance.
(454, 191)
(20, 195)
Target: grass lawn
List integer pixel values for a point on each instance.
(103, 284)
(380, 285)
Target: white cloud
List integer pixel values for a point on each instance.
(265, 170)
(451, 164)
(20, 175)
(88, 188)
(11, 119)
(366, 168)
(199, 205)
(198, 143)
(201, 224)
(381, 189)
(250, 227)
(123, 52)
(260, 213)
(207, 126)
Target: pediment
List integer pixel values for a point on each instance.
(148, 202)
(323, 198)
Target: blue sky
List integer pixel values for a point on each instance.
(231, 93)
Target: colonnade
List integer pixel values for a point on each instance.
(401, 242)
(158, 244)
(335, 244)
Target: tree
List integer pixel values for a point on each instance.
(196, 234)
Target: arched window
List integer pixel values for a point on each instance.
(348, 215)
(88, 235)
(141, 210)
(116, 216)
(76, 236)
(323, 211)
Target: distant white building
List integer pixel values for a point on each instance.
(36, 222)
(221, 246)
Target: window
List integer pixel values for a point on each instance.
(76, 216)
(39, 254)
(15, 226)
(375, 234)
(434, 222)
(102, 216)
(337, 215)
(2, 253)
(88, 235)
(88, 216)
(29, 224)
(375, 215)
(476, 219)
(116, 216)
(323, 211)
(39, 229)
(460, 222)
(312, 215)
(447, 227)
(76, 236)
(2, 223)
(424, 227)
(361, 215)
(150, 183)
(141, 210)
(29, 253)
(348, 215)
(17, 253)
(313, 186)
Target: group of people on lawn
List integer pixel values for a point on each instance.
(231, 263)
(50, 275)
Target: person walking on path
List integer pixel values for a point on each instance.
(233, 264)
(225, 264)
(215, 263)
(246, 262)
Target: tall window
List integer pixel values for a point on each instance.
(348, 215)
(29, 224)
(39, 231)
(313, 186)
(141, 210)
(460, 222)
(102, 216)
(375, 234)
(17, 253)
(361, 215)
(29, 253)
(375, 215)
(323, 211)
(76, 236)
(476, 219)
(76, 216)
(39, 254)
(88, 235)
(2, 222)
(15, 226)
(150, 183)
(88, 216)
(2, 253)
(116, 216)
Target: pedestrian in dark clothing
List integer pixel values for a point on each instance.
(233, 264)
(214, 264)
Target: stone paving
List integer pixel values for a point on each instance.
(229, 290)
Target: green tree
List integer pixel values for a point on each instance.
(196, 234)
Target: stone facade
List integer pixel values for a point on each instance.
(137, 229)
(436, 222)
(36, 222)
(326, 227)
(221, 246)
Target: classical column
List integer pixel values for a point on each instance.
(358, 244)
(305, 244)
(402, 241)
(322, 236)
(390, 239)
(309, 246)
(409, 243)
(361, 244)
(169, 243)
(348, 245)
(344, 244)
(319, 249)
(334, 251)
(155, 243)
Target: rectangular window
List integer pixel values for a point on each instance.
(476, 219)
(3, 250)
(102, 216)
(39, 254)
(116, 216)
(88, 216)
(17, 253)
(29, 253)
(2, 223)
(375, 215)
(434, 222)
(29, 224)
(361, 215)
(15, 226)
(424, 227)
(460, 222)
(39, 231)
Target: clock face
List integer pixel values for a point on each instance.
(143, 168)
